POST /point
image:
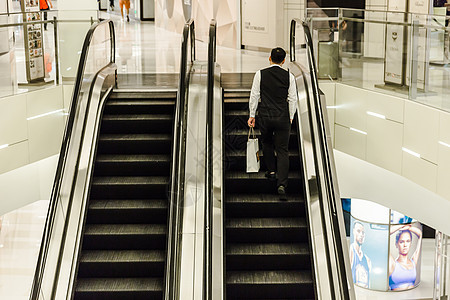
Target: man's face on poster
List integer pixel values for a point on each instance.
(359, 233)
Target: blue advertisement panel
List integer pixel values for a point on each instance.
(368, 252)
(405, 256)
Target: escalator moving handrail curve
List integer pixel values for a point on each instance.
(177, 169)
(329, 182)
(49, 222)
(209, 193)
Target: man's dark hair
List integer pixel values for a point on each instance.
(278, 55)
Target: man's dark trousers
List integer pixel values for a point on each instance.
(275, 132)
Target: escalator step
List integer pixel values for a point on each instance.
(124, 236)
(263, 206)
(118, 288)
(241, 182)
(130, 106)
(266, 230)
(268, 256)
(134, 143)
(270, 285)
(137, 123)
(145, 211)
(122, 263)
(127, 187)
(132, 165)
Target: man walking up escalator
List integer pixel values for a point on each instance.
(278, 93)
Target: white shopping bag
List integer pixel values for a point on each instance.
(252, 153)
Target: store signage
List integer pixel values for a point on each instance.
(34, 48)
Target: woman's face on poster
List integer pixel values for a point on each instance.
(404, 243)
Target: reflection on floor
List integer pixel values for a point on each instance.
(20, 240)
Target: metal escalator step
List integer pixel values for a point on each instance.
(122, 256)
(236, 113)
(270, 285)
(265, 223)
(267, 249)
(124, 229)
(266, 230)
(124, 236)
(118, 288)
(127, 204)
(260, 198)
(132, 165)
(137, 117)
(130, 158)
(140, 211)
(130, 180)
(122, 263)
(239, 175)
(264, 206)
(135, 137)
(139, 95)
(244, 132)
(267, 256)
(134, 143)
(268, 277)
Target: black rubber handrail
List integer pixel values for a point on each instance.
(50, 220)
(329, 182)
(176, 192)
(209, 192)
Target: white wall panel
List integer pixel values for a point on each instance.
(45, 135)
(420, 171)
(444, 127)
(13, 119)
(13, 157)
(329, 89)
(351, 107)
(350, 142)
(44, 101)
(384, 143)
(443, 176)
(421, 130)
(389, 106)
(67, 92)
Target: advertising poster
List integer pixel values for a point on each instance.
(393, 64)
(34, 48)
(255, 15)
(368, 251)
(405, 256)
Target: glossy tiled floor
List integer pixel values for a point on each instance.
(143, 48)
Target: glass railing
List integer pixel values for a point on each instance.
(441, 287)
(172, 280)
(209, 191)
(392, 52)
(59, 247)
(326, 225)
(39, 53)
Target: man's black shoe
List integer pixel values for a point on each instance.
(271, 176)
(282, 192)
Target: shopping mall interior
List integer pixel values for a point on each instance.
(127, 167)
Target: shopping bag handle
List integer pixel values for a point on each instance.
(251, 131)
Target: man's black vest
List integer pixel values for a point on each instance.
(274, 91)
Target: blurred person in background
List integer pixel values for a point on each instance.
(44, 6)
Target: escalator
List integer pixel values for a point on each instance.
(268, 255)
(123, 252)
